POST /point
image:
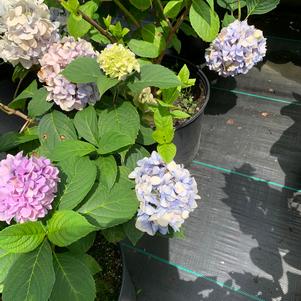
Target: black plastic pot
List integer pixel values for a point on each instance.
(127, 291)
(188, 135)
(8, 123)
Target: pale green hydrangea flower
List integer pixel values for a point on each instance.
(117, 61)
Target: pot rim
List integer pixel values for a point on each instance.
(200, 74)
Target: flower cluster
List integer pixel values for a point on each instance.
(237, 48)
(166, 193)
(27, 31)
(117, 61)
(27, 188)
(67, 95)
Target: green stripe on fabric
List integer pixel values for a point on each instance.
(244, 175)
(197, 274)
(257, 96)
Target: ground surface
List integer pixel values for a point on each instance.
(244, 241)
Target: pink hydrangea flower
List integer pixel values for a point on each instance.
(27, 187)
(67, 95)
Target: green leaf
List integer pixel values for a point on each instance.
(115, 130)
(114, 234)
(83, 245)
(105, 83)
(79, 27)
(204, 20)
(6, 261)
(184, 74)
(20, 101)
(114, 207)
(19, 73)
(108, 170)
(101, 39)
(66, 227)
(231, 5)
(22, 238)
(70, 5)
(259, 7)
(137, 152)
(145, 135)
(31, 277)
(141, 4)
(163, 118)
(149, 78)
(163, 135)
(82, 70)
(154, 42)
(85, 122)
(11, 140)
(228, 19)
(73, 280)
(179, 114)
(81, 176)
(167, 151)
(54, 128)
(132, 233)
(113, 141)
(90, 263)
(71, 148)
(144, 48)
(39, 104)
(172, 8)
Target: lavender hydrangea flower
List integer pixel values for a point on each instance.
(166, 192)
(27, 31)
(67, 95)
(27, 187)
(237, 48)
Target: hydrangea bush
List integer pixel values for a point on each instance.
(100, 100)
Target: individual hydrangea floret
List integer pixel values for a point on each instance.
(117, 61)
(27, 187)
(237, 48)
(27, 32)
(67, 95)
(167, 194)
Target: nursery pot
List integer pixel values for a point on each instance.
(8, 123)
(188, 134)
(127, 291)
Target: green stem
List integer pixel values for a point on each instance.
(161, 9)
(127, 13)
(19, 85)
(95, 25)
(172, 32)
(239, 9)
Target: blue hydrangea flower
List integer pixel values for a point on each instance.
(167, 194)
(237, 48)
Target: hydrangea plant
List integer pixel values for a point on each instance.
(100, 99)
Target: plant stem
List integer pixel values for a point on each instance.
(127, 13)
(18, 86)
(95, 25)
(239, 9)
(160, 6)
(11, 111)
(172, 32)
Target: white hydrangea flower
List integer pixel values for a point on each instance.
(27, 31)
